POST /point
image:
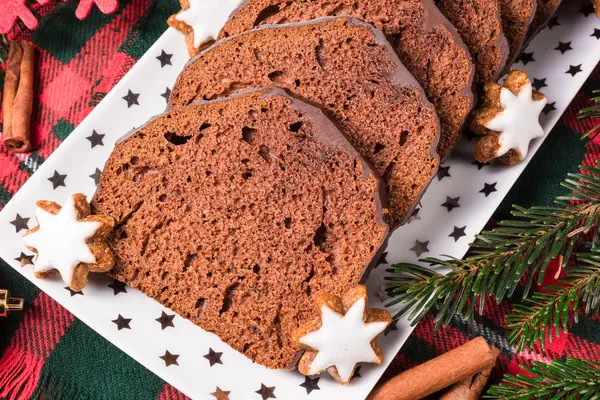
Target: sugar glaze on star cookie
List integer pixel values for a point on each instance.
(206, 18)
(519, 123)
(70, 241)
(344, 334)
(61, 241)
(508, 119)
(343, 340)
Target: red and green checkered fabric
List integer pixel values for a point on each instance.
(78, 62)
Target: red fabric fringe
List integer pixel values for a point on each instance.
(21, 364)
(19, 373)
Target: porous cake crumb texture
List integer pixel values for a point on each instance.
(426, 42)
(235, 213)
(348, 69)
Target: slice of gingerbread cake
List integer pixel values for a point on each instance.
(235, 213)
(479, 23)
(350, 70)
(423, 38)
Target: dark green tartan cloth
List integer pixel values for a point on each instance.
(59, 357)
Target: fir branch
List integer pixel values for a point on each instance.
(592, 112)
(518, 249)
(547, 312)
(570, 379)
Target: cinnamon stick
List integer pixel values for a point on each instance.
(19, 142)
(454, 366)
(11, 84)
(467, 389)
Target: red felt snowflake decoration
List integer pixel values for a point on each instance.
(85, 6)
(13, 9)
(10, 10)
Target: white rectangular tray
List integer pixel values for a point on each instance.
(79, 159)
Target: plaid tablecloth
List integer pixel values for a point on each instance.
(78, 62)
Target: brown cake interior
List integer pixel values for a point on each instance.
(424, 39)
(347, 68)
(480, 26)
(236, 213)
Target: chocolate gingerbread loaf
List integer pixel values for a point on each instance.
(235, 213)
(423, 38)
(346, 67)
(517, 16)
(479, 23)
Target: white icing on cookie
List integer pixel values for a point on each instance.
(61, 241)
(207, 17)
(518, 123)
(343, 340)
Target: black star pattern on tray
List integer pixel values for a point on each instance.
(118, 287)
(73, 292)
(574, 69)
(458, 233)
(451, 203)
(596, 33)
(488, 188)
(549, 107)
(95, 139)
(414, 216)
(526, 58)
(420, 247)
(221, 394)
(382, 259)
(57, 180)
(390, 328)
(479, 165)
(266, 392)
(586, 10)
(131, 98)
(310, 384)
(165, 320)
(122, 323)
(553, 22)
(443, 172)
(24, 259)
(538, 84)
(20, 223)
(170, 359)
(166, 94)
(213, 357)
(96, 176)
(164, 58)
(563, 47)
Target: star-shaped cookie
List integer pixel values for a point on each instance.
(201, 21)
(70, 241)
(344, 334)
(508, 119)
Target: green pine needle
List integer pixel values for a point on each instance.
(592, 112)
(547, 312)
(570, 379)
(519, 250)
